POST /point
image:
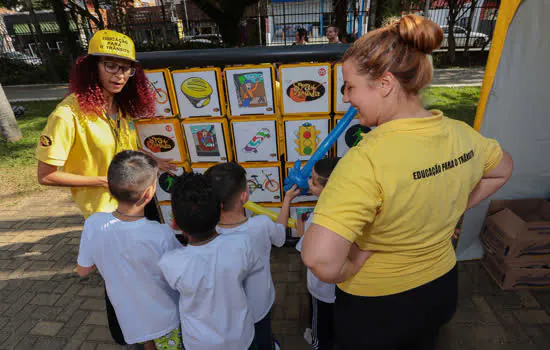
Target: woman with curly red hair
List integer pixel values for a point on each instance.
(108, 91)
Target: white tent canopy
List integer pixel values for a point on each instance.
(513, 109)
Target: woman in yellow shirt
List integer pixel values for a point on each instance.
(399, 193)
(109, 90)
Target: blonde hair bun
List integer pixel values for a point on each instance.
(420, 33)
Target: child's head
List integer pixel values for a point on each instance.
(132, 177)
(320, 173)
(195, 206)
(229, 183)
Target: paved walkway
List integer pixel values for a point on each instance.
(45, 305)
(442, 77)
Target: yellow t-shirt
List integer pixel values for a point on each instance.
(400, 192)
(85, 144)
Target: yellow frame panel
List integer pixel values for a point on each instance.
(220, 87)
(177, 130)
(294, 118)
(256, 118)
(297, 65)
(171, 92)
(226, 132)
(268, 164)
(251, 66)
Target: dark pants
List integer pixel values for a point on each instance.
(322, 324)
(151, 213)
(405, 321)
(263, 336)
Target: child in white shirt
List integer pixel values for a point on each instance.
(229, 182)
(322, 294)
(210, 272)
(125, 247)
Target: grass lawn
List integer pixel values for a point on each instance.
(18, 165)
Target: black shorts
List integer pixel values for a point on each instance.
(408, 320)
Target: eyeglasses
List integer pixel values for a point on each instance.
(113, 68)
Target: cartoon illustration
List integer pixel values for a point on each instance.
(160, 96)
(250, 89)
(355, 134)
(305, 90)
(257, 140)
(303, 213)
(307, 139)
(159, 143)
(206, 142)
(269, 184)
(198, 91)
(166, 181)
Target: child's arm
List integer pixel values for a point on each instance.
(285, 210)
(84, 271)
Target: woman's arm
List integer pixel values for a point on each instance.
(49, 175)
(164, 165)
(492, 181)
(331, 257)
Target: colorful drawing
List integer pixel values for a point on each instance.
(198, 91)
(206, 142)
(159, 143)
(269, 184)
(305, 91)
(257, 140)
(166, 181)
(250, 89)
(355, 134)
(304, 213)
(307, 139)
(160, 96)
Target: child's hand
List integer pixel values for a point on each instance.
(292, 193)
(357, 256)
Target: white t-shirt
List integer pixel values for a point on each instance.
(259, 288)
(320, 290)
(210, 278)
(126, 254)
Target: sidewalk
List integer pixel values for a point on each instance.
(45, 305)
(442, 77)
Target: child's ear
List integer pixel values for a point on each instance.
(245, 196)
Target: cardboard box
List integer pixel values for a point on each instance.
(510, 277)
(518, 228)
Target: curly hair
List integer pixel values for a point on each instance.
(135, 100)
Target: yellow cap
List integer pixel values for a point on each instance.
(113, 44)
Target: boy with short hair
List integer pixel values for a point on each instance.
(125, 247)
(210, 272)
(229, 182)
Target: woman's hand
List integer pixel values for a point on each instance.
(163, 164)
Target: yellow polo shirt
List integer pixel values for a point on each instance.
(400, 192)
(85, 144)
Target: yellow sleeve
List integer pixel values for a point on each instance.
(351, 197)
(55, 141)
(491, 152)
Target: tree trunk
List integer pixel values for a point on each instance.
(69, 37)
(372, 14)
(339, 8)
(42, 46)
(451, 21)
(8, 125)
(164, 33)
(99, 16)
(473, 5)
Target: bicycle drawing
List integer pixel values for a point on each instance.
(269, 184)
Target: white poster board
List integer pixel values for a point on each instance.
(302, 212)
(255, 141)
(250, 91)
(161, 140)
(306, 89)
(197, 93)
(163, 105)
(263, 184)
(341, 106)
(303, 136)
(165, 183)
(205, 142)
(350, 137)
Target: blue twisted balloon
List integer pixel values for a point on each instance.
(299, 177)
